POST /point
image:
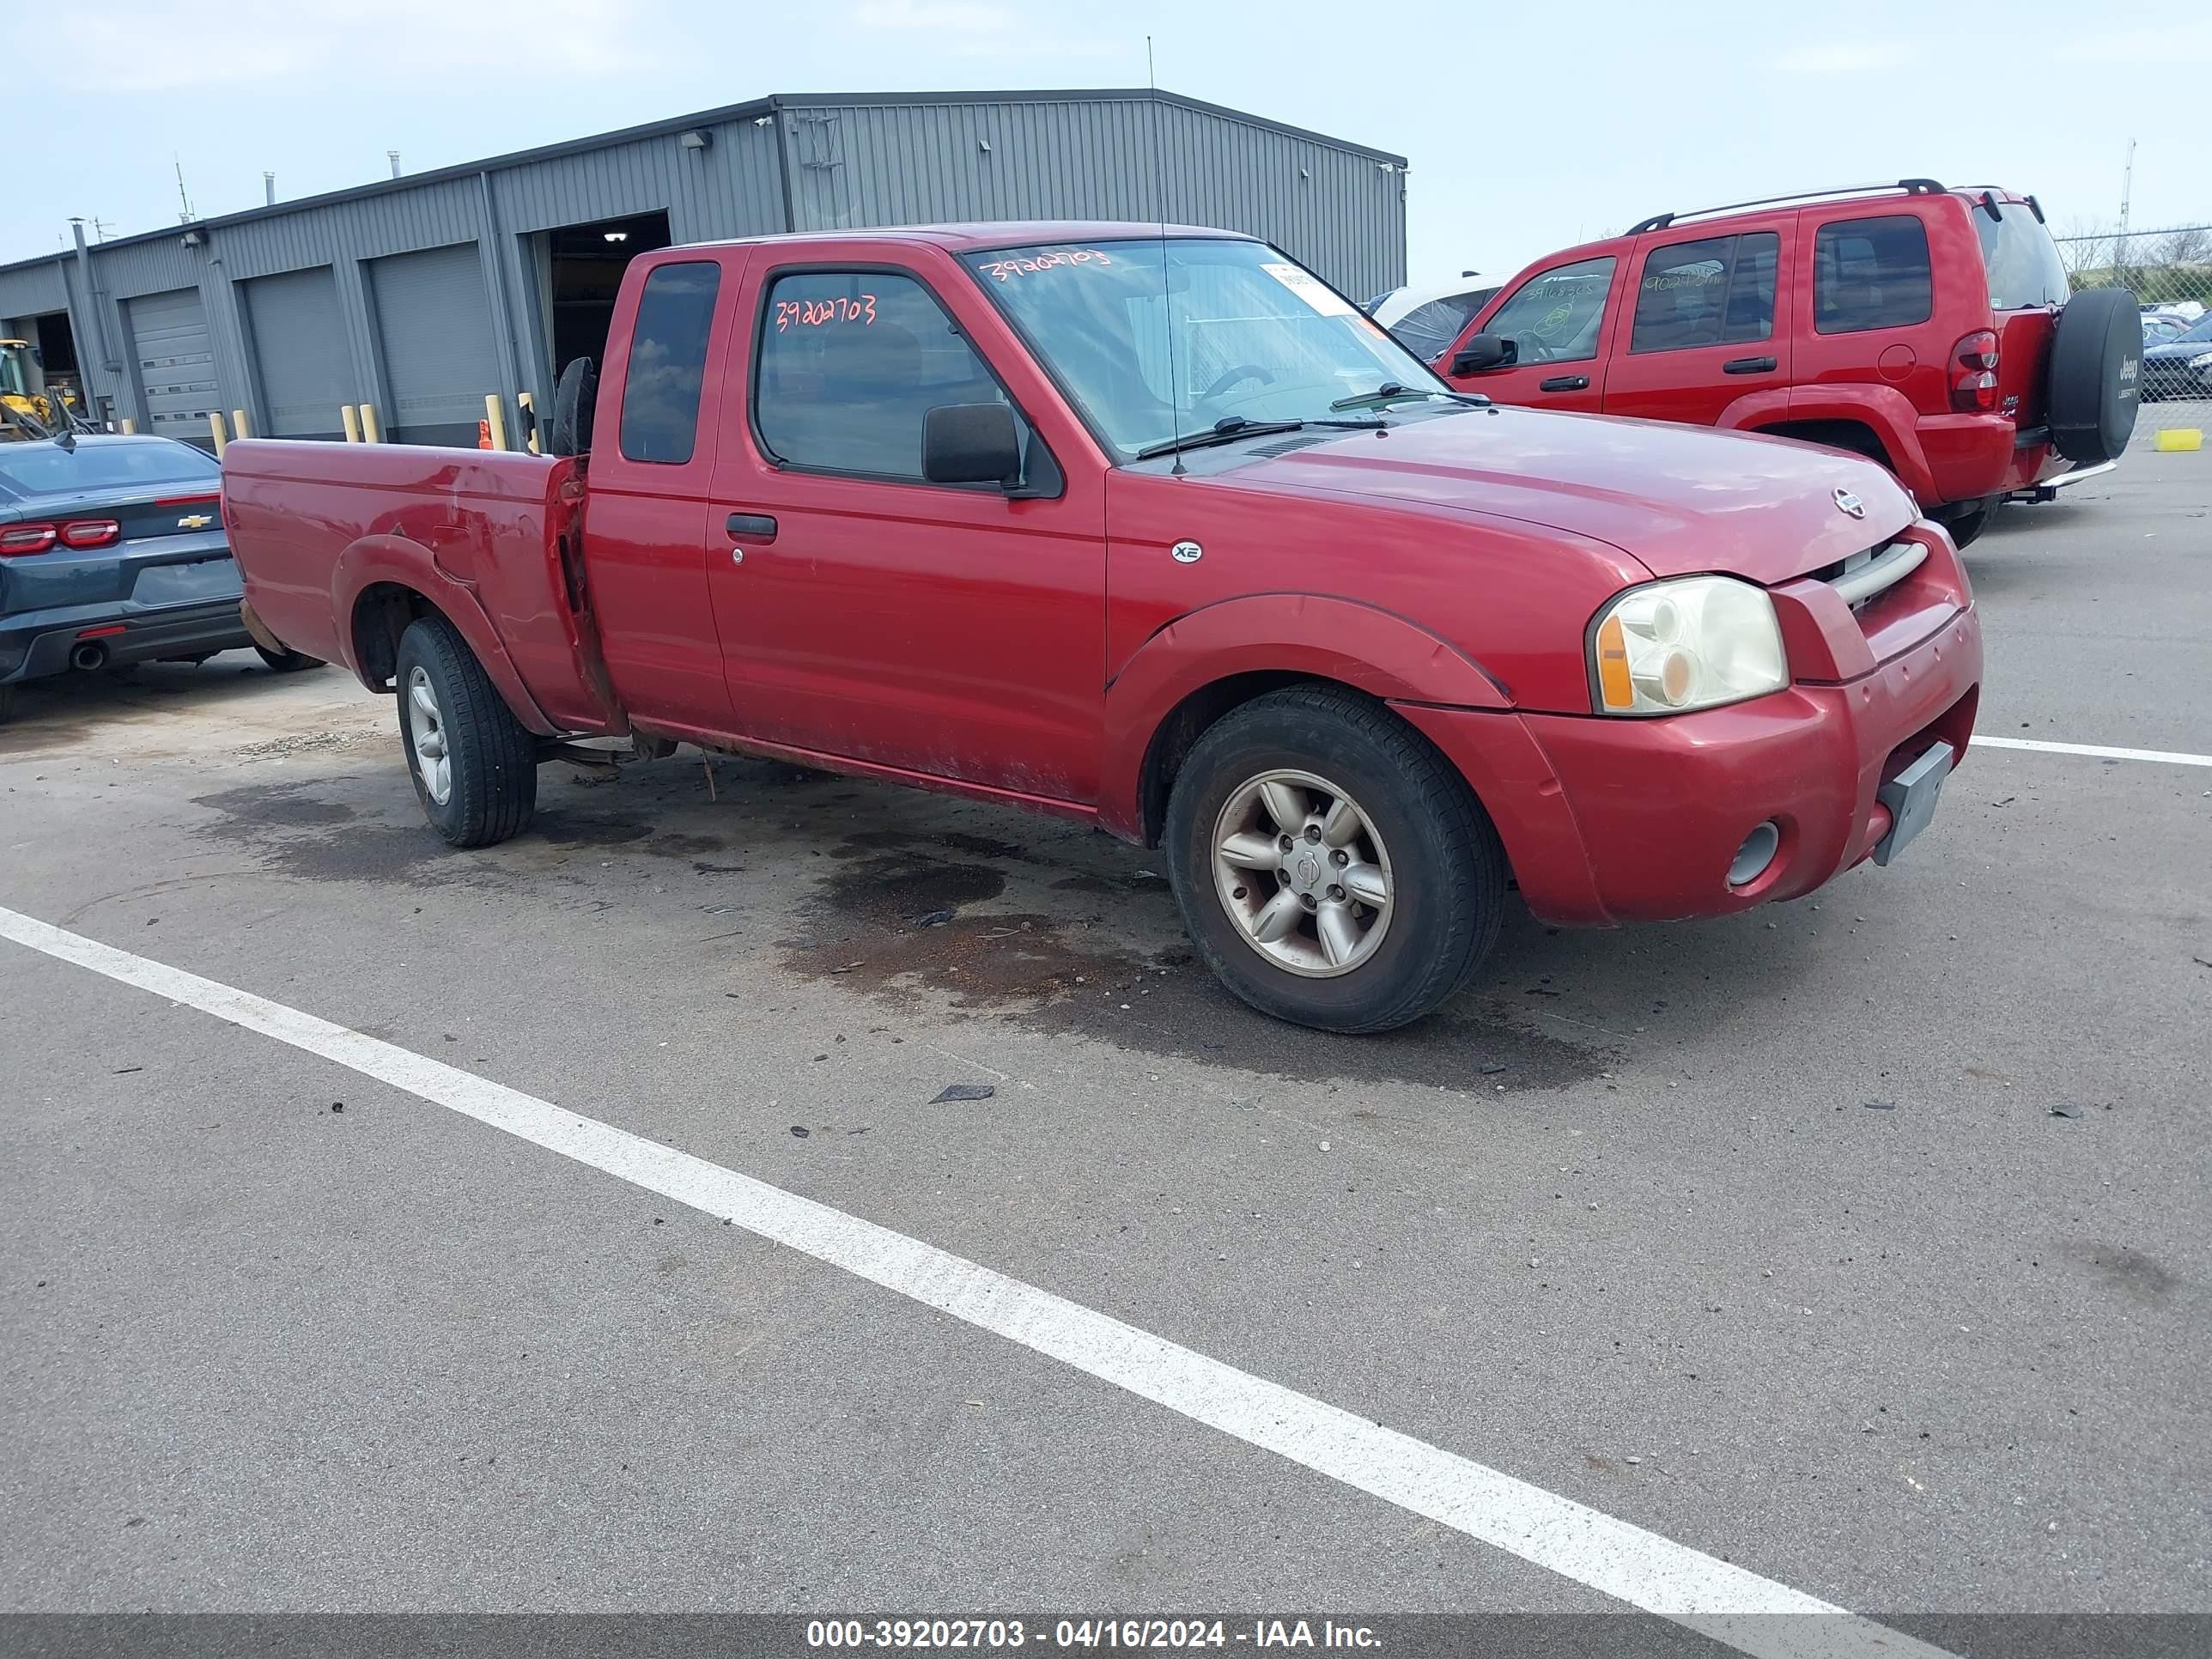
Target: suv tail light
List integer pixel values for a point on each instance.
(1974, 371)
(16, 539)
(91, 532)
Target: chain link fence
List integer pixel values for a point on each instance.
(2170, 272)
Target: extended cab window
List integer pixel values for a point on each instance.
(668, 363)
(1871, 273)
(1718, 291)
(850, 361)
(1555, 317)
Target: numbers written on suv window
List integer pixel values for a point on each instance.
(1871, 273)
(1555, 317)
(1716, 291)
(668, 362)
(850, 363)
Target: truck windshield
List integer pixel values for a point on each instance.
(1159, 338)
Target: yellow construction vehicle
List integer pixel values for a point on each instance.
(25, 413)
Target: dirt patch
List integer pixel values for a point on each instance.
(590, 828)
(276, 805)
(296, 833)
(996, 933)
(2139, 1276)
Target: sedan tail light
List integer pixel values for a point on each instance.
(91, 532)
(1974, 371)
(18, 539)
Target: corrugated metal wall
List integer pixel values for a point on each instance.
(1340, 210)
(802, 163)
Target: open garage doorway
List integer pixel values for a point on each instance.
(582, 267)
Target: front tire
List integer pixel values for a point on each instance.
(474, 766)
(1332, 868)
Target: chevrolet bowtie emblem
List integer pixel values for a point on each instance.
(195, 521)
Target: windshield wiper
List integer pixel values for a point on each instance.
(1229, 428)
(1390, 392)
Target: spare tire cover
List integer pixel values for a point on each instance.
(2096, 376)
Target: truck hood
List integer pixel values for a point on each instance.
(1677, 499)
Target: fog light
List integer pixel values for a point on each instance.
(1755, 854)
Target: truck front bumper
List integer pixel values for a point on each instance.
(1609, 820)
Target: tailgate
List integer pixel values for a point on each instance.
(2023, 363)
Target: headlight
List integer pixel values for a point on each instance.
(1689, 643)
(2203, 360)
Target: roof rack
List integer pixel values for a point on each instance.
(1910, 186)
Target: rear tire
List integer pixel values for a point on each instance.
(475, 765)
(1381, 816)
(285, 662)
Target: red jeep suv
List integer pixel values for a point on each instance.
(1928, 329)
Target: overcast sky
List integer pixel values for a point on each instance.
(1526, 131)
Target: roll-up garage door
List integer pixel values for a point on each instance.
(439, 353)
(176, 363)
(300, 351)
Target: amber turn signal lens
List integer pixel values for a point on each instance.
(1614, 684)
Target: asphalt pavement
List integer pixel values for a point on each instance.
(1859, 1243)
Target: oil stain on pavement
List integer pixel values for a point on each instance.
(888, 894)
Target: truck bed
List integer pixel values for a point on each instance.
(323, 532)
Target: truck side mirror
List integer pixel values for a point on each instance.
(1484, 351)
(971, 443)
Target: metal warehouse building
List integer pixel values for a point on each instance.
(422, 294)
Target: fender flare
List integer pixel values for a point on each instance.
(1756, 409)
(1884, 410)
(1362, 646)
(409, 564)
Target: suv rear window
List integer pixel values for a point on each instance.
(1871, 273)
(1716, 291)
(2023, 262)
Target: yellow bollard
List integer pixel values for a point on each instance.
(496, 417)
(2176, 439)
(530, 403)
(129, 426)
(238, 425)
(369, 431)
(222, 437)
(351, 421)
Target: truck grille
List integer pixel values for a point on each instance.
(1866, 575)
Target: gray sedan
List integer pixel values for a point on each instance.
(113, 551)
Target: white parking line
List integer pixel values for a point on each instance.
(1714, 1597)
(2171, 757)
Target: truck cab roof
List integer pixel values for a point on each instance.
(976, 238)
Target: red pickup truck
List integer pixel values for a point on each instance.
(1155, 531)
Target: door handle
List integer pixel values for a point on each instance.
(1564, 383)
(1748, 366)
(752, 526)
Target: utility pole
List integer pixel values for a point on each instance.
(2127, 187)
(184, 201)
